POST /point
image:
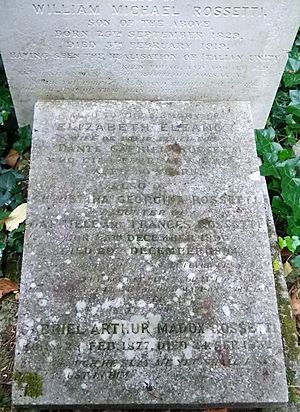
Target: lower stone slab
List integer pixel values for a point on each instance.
(288, 322)
(147, 275)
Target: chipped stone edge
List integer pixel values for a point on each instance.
(288, 324)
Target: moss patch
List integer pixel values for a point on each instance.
(293, 393)
(288, 324)
(289, 331)
(31, 382)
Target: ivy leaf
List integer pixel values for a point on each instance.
(9, 179)
(270, 151)
(15, 239)
(291, 191)
(292, 243)
(4, 115)
(293, 200)
(285, 154)
(288, 170)
(3, 142)
(290, 136)
(24, 141)
(280, 208)
(5, 99)
(294, 106)
(3, 215)
(296, 262)
(264, 140)
(268, 168)
(291, 122)
(291, 79)
(293, 64)
(281, 242)
(279, 109)
(293, 226)
(270, 160)
(291, 76)
(274, 185)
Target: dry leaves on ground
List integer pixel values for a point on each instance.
(12, 158)
(295, 302)
(287, 268)
(7, 286)
(16, 217)
(217, 410)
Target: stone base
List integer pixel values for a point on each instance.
(147, 274)
(288, 323)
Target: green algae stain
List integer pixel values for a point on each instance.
(31, 382)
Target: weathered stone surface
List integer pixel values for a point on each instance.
(147, 274)
(139, 49)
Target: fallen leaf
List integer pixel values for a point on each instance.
(296, 389)
(12, 158)
(287, 269)
(295, 304)
(16, 217)
(7, 286)
(217, 410)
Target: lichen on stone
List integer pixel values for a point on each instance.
(31, 382)
(170, 171)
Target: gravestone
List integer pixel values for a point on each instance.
(147, 50)
(147, 274)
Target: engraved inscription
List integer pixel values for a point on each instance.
(135, 253)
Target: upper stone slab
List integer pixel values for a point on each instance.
(175, 50)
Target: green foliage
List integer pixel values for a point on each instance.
(12, 181)
(281, 166)
(24, 141)
(15, 240)
(290, 242)
(5, 101)
(296, 262)
(291, 76)
(278, 147)
(10, 189)
(5, 104)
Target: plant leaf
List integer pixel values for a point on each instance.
(16, 217)
(12, 158)
(296, 261)
(7, 286)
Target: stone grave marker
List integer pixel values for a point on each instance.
(147, 274)
(147, 50)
